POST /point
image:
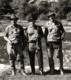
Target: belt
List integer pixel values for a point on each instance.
(32, 41)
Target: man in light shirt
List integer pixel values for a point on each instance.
(14, 35)
(54, 35)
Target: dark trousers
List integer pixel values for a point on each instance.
(39, 55)
(32, 52)
(32, 61)
(54, 48)
(15, 52)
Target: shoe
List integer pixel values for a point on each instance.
(33, 73)
(51, 72)
(23, 73)
(13, 73)
(61, 71)
(40, 72)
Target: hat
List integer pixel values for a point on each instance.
(13, 17)
(31, 1)
(51, 14)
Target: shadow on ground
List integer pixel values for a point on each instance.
(57, 72)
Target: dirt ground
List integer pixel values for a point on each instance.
(7, 76)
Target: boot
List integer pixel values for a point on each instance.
(21, 63)
(61, 71)
(12, 64)
(23, 73)
(13, 73)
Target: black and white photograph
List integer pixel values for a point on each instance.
(35, 39)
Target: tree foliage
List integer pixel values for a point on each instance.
(64, 7)
(25, 9)
(5, 6)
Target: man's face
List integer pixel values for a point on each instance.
(13, 22)
(51, 18)
(32, 23)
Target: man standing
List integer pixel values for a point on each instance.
(14, 35)
(34, 43)
(55, 34)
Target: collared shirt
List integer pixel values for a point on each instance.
(15, 34)
(55, 30)
(34, 33)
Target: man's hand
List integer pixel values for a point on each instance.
(9, 42)
(62, 38)
(63, 35)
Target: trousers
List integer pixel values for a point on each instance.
(15, 52)
(54, 48)
(32, 51)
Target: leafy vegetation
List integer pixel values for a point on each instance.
(25, 9)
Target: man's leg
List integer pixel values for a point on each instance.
(61, 65)
(58, 50)
(31, 52)
(40, 60)
(40, 55)
(32, 61)
(13, 68)
(61, 61)
(20, 58)
(21, 63)
(12, 58)
(50, 57)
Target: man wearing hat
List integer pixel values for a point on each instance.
(14, 36)
(54, 35)
(34, 45)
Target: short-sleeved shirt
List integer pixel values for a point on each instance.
(15, 34)
(54, 30)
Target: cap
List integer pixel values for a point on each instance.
(13, 17)
(51, 14)
(31, 1)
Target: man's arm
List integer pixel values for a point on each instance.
(46, 33)
(22, 33)
(6, 35)
(7, 39)
(40, 32)
(24, 37)
(62, 31)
